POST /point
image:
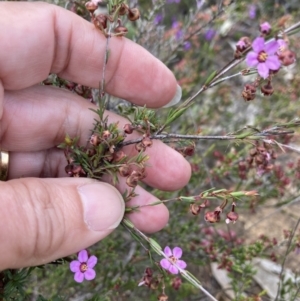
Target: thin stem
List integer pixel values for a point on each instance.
(243, 136)
(105, 61)
(285, 257)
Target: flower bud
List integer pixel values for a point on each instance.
(242, 165)
(148, 272)
(287, 57)
(265, 28)
(140, 147)
(123, 9)
(133, 14)
(112, 149)
(232, 217)
(95, 140)
(267, 89)
(74, 170)
(133, 179)
(176, 283)
(146, 142)
(259, 159)
(128, 128)
(91, 6)
(188, 151)
(249, 160)
(154, 284)
(195, 209)
(119, 155)
(79, 89)
(125, 170)
(105, 134)
(249, 92)
(100, 21)
(121, 30)
(212, 217)
(243, 43)
(69, 170)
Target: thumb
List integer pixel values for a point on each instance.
(45, 219)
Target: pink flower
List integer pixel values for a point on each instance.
(282, 46)
(264, 57)
(168, 264)
(265, 28)
(83, 267)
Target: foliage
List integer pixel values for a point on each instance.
(243, 155)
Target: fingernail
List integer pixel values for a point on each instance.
(103, 206)
(175, 100)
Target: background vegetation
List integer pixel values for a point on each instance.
(194, 42)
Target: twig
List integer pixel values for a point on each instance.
(285, 257)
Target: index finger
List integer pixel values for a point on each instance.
(40, 38)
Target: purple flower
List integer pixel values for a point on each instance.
(252, 11)
(175, 24)
(158, 19)
(168, 264)
(199, 3)
(263, 57)
(187, 45)
(83, 267)
(210, 33)
(282, 46)
(179, 34)
(265, 28)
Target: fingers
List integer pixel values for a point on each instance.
(46, 219)
(49, 114)
(59, 41)
(147, 219)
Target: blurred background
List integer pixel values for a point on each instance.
(195, 39)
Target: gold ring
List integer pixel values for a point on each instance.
(4, 161)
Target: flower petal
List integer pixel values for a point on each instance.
(90, 274)
(271, 47)
(78, 277)
(263, 70)
(173, 270)
(258, 44)
(83, 256)
(181, 264)
(282, 45)
(165, 263)
(177, 252)
(75, 266)
(92, 261)
(251, 59)
(168, 251)
(273, 62)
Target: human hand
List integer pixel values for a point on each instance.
(45, 216)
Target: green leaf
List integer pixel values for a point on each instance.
(210, 77)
